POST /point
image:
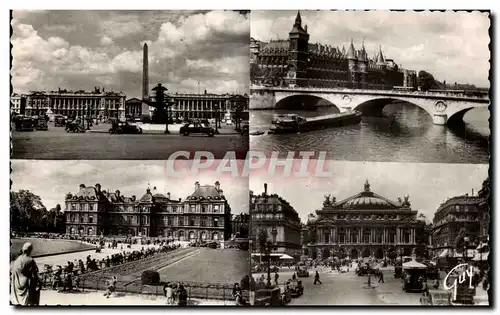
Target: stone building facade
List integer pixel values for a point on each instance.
(271, 212)
(364, 225)
(97, 103)
(298, 63)
(204, 215)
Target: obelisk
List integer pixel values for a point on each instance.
(145, 73)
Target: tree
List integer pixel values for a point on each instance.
(426, 81)
(26, 211)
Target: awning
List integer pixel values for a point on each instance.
(272, 255)
(481, 256)
(414, 265)
(285, 256)
(445, 253)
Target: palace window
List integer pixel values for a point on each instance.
(341, 238)
(91, 207)
(203, 221)
(170, 221)
(181, 221)
(174, 209)
(216, 208)
(215, 222)
(73, 206)
(82, 219)
(191, 221)
(354, 236)
(91, 219)
(203, 208)
(327, 237)
(193, 208)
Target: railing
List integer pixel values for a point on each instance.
(361, 91)
(206, 291)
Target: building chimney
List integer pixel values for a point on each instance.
(472, 192)
(98, 187)
(217, 185)
(179, 199)
(196, 185)
(168, 195)
(82, 186)
(145, 73)
(265, 188)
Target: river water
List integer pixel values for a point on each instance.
(410, 136)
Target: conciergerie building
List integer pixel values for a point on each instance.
(298, 63)
(204, 215)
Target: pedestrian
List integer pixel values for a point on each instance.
(316, 278)
(182, 296)
(169, 293)
(252, 291)
(276, 277)
(294, 277)
(25, 286)
(380, 277)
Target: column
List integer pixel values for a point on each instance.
(413, 238)
(397, 235)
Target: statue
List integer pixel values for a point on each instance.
(327, 201)
(400, 200)
(334, 200)
(367, 185)
(406, 201)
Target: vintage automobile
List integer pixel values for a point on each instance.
(196, 127)
(75, 126)
(296, 288)
(245, 128)
(364, 270)
(125, 128)
(413, 273)
(25, 123)
(432, 271)
(302, 272)
(41, 123)
(286, 294)
(59, 121)
(436, 297)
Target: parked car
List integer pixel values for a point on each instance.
(296, 288)
(41, 123)
(302, 272)
(59, 121)
(364, 270)
(125, 128)
(25, 123)
(245, 127)
(196, 127)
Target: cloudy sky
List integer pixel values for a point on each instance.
(51, 180)
(78, 50)
(453, 46)
(427, 184)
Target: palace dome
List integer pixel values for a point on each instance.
(367, 201)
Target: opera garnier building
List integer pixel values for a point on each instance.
(364, 225)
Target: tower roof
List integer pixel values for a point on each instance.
(351, 53)
(297, 26)
(381, 58)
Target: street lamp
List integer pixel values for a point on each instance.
(216, 107)
(162, 102)
(466, 244)
(267, 246)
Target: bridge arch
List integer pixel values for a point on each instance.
(458, 117)
(305, 102)
(375, 106)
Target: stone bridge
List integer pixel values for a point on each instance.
(443, 108)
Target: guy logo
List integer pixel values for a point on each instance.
(466, 273)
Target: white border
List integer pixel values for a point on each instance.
(190, 4)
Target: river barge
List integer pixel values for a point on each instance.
(293, 123)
